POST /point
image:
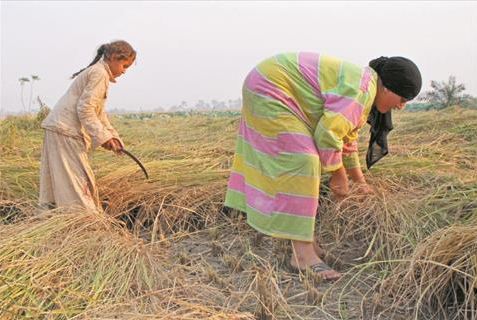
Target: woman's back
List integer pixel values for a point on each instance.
(304, 81)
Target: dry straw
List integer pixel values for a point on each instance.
(77, 264)
(407, 251)
(439, 279)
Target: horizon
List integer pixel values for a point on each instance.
(195, 50)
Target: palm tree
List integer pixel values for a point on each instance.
(33, 79)
(22, 83)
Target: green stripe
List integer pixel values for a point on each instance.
(272, 114)
(349, 80)
(278, 225)
(284, 163)
(263, 106)
(350, 75)
(351, 161)
(282, 225)
(326, 138)
(235, 200)
(306, 97)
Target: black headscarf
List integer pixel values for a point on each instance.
(401, 76)
(381, 124)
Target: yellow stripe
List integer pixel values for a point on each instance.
(272, 71)
(297, 185)
(336, 123)
(284, 122)
(329, 72)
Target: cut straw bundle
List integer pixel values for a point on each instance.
(180, 195)
(64, 262)
(438, 281)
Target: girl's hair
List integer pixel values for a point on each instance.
(120, 49)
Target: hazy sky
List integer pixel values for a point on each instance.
(204, 49)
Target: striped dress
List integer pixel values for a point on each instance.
(300, 117)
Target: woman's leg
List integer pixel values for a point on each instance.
(304, 256)
(318, 249)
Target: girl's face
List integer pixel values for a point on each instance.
(386, 100)
(119, 66)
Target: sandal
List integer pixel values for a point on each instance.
(318, 269)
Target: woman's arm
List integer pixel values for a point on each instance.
(358, 178)
(339, 183)
(356, 175)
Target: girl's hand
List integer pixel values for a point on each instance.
(339, 183)
(114, 145)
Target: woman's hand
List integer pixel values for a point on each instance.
(339, 183)
(362, 187)
(114, 145)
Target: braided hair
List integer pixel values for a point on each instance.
(120, 49)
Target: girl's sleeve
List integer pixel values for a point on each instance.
(104, 119)
(340, 118)
(92, 97)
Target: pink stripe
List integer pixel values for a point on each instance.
(367, 76)
(329, 157)
(296, 143)
(349, 148)
(285, 142)
(349, 108)
(257, 83)
(236, 181)
(282, 203)
(308, 64)
(258, 141)
(296, 205)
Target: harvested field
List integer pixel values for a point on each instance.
(167, 249)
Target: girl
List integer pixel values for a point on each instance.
(77, 123)
(300, 117)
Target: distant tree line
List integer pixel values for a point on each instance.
(442, 94)
(212, 105)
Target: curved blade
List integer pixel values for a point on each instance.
(137, 161)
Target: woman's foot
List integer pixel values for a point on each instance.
(304, 256)
(320, 252)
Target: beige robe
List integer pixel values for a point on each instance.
(76, 124)
(66, 178)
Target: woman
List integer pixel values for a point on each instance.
(300, 117)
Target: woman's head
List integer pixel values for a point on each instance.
(119, 55)
(399, 82)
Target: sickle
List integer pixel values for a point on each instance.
(137, 161)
